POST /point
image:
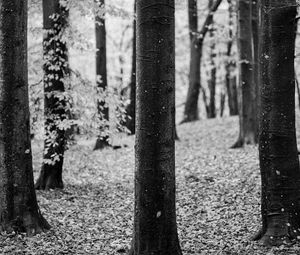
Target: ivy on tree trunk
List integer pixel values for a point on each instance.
(101, 73)
(56, 73)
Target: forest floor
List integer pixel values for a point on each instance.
(218, 198)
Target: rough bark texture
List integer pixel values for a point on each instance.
(155, 230)
(101, 73)
(191, 112)
(130, 109)
(247, 86)
(230, 79)
(18, 205)
(56, 71)
(279, 161)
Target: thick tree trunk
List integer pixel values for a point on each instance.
(130, 109)
(18, 205)
(213, 72)
(56, 71)
(155, 230)
(247, 112)
(230, 67)
(191, 106)
(101, 72)
(279, 163)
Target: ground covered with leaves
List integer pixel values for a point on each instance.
(218, 198)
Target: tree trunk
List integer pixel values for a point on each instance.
(196, 45)
(101, 73)
(230, 67)
(213, 72)
(279, 163)
(18, 204)
(130, 109)
(222, 103)
(247, 86)
(155, 230)
(56, 72)
(191, 112)
(255, 34)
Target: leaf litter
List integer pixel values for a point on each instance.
(218, 198)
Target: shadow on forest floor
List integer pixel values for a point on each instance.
(218, 198)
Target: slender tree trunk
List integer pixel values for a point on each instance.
(101, 72)
(56, 71)
(298, 91)
(130, 109)
(230, 67)
(196, 45)
(247, 86)
(255, 34)
(279, 163)
(222, 103)
(213, 72)
(18, 204)
(191, 112)
(155, 230)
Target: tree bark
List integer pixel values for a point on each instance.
(279, 163)
(256, 43)
(230, 66)
(101, 73)
(191, 112)
(213, 72)
(56, 73)
(247, 87)
(18, 204)
(155, 230)
(130, 109)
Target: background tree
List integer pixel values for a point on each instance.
(191, 112)
(130, 109)
(279, 163)
(155, 230)
(247, 85)
(211, 108)
(18, 205)
(230, 66)
(56, 101)
(101, 73)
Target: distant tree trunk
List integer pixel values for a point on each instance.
(196, 44)
(247, 86)
(222, 103)
(155, 230)
(130, 109)
(56, 70)
(18, 204)
(279, 163)
(213, 72)
(298, 91)
(191, 112)
(255, 34)
(230, 67)
(101, 72)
